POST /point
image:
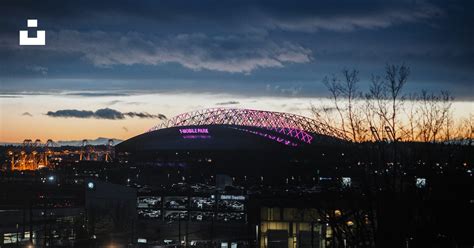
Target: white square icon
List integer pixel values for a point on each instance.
(26, 40)
(32, 23)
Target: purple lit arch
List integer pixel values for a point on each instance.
(295, 126)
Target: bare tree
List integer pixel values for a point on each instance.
(324, 114)
(377, 108)
(464, 132)
(434, 112)
(350, 92)
(387, 93)
(385, 112)
(346, 100)
(412, 112)
(333, 84)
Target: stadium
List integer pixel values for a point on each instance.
(232, 139)
(232, 129)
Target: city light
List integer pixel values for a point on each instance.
(90, 185)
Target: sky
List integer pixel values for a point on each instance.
(116, 68)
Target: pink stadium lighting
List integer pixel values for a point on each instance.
(268, 136)
(295, 126)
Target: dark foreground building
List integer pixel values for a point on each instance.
(52, 212)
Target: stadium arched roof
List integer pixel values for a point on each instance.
(296, 126)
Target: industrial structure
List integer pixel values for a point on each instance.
(89, 152)
(37, 155)
(32, 155)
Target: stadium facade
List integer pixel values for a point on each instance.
(232, 129)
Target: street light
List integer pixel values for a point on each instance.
(90, 185)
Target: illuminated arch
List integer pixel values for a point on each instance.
(292, 125)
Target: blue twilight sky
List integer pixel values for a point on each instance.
(251, 48)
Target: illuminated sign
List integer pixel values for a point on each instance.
(193, 130)
(420, 182)
(346, 182)
(195, 133)
(233, 197)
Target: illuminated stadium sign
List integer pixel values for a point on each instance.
(193, 131)
(233, 197)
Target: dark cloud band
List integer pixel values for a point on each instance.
(228, 103)
(105, 113)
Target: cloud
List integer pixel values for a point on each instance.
(10, 96)
(195, 51)
(145, 115)
(39, 69)
(228, 103)
(95, 94)
(110, 103)
(180, 16)
(240, 37)
(105, 113)
(370, 15)
(113, 102)
(134, 103)
(27, 114)
(279, 90)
